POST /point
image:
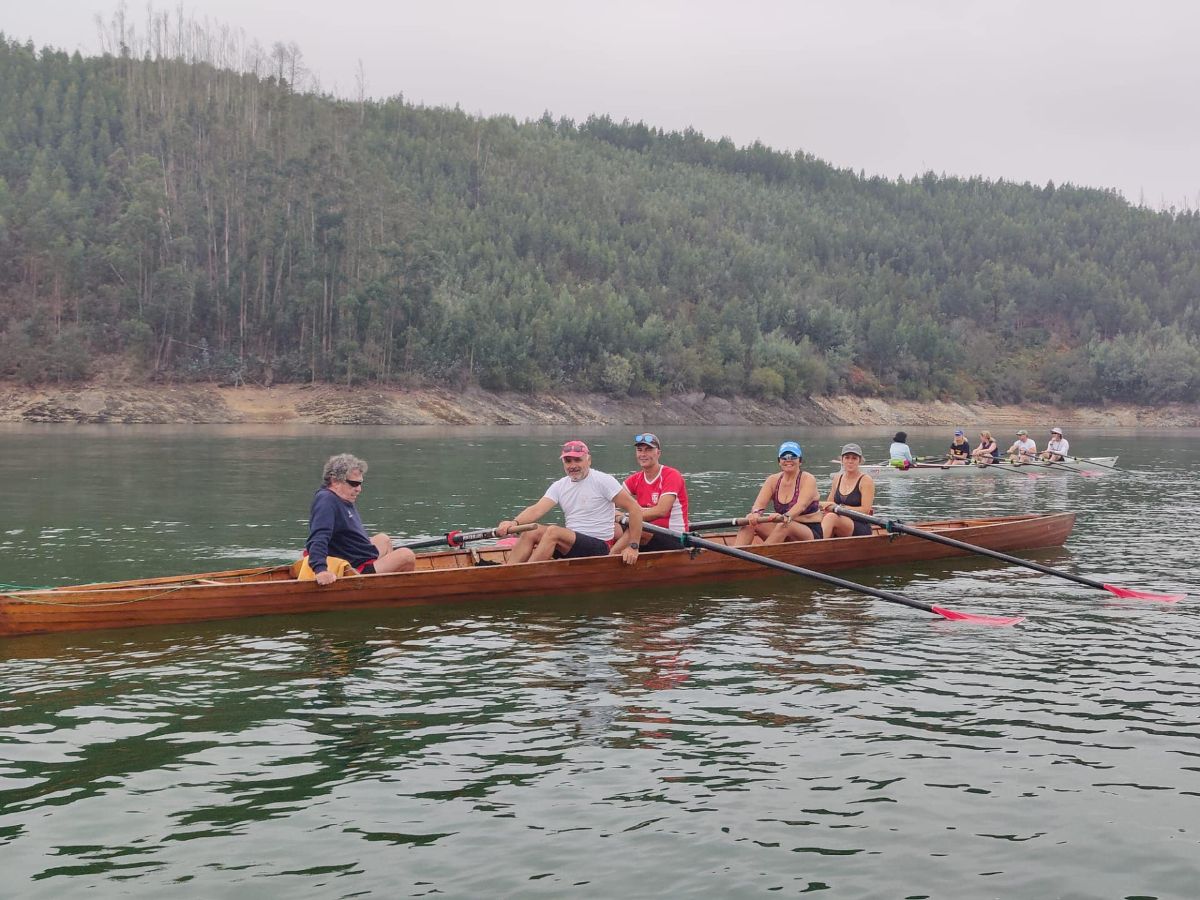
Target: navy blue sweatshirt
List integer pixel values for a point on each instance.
(334, 529)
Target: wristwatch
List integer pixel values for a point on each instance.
(634, 545)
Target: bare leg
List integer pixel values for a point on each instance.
(745, 536)
(789, 531)
(837, 526)
(556, 538)
(400, 559)
(523, 549)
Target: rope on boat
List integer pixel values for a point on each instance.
(102, 604)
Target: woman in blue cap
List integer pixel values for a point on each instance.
(790, 498)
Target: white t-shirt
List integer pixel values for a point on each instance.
(1025, 445)
(587, 505)
(900, 451)
(1061, 446)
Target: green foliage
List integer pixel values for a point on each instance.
(214, 224)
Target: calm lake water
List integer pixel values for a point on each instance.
(726, 741)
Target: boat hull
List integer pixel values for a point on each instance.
(1095, 465)
(455, 576)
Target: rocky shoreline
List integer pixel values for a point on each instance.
(103, 403)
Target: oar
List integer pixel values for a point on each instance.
(1011, 468)
(1092, 462)
(1059, 464)
(458, 538)
(893, 526)
(686, 540)
(730, 523)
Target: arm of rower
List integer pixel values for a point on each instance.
(661, 508)
(764, 495)
(624, 499)
(531, 513)
(829, 501)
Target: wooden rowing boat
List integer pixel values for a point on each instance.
(1092, 465)
(457, 576)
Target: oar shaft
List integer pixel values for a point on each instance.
(458, 538)
(730, 523)
(692, 540)
(963, 545)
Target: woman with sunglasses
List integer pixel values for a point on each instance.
(853, 489)
(793, 496)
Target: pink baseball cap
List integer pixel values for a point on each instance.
(574, 448)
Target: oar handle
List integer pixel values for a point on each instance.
(458, 538)
(893, 526)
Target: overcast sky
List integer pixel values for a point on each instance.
(1096, 93)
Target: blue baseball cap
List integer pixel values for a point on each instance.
(790, 447)
(959, 432)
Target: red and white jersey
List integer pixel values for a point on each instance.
(647, 494)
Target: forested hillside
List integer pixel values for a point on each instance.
(205, 218)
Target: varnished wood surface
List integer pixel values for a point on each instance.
(452, 576)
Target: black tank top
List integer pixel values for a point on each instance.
(854, 498)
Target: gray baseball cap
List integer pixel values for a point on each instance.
(852, 448)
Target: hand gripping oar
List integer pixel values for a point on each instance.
(690, 540)
(458, 538)
(893, 527)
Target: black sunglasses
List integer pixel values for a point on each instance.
(353, 483)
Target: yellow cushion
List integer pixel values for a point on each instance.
(302, 571)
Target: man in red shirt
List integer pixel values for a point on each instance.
(661, 493)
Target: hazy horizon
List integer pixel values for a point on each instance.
(1092, 94)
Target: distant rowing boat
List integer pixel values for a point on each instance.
(1092, 465)
(463, 576)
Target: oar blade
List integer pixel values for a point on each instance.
(996, 621)
(1129, 594)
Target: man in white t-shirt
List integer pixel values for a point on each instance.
(1023, 449)
(1058, 448)
(589, 499)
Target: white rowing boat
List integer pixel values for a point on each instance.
(1089, 465)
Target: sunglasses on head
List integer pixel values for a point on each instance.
(354, 482)
(646, 438)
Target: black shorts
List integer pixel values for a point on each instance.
(660, 542)
(815, 528)
(585, 545)
(367, 568)
(861, 529)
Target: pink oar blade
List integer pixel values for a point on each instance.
(956, 616)
(1143, 595)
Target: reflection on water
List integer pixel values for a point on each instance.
(715, 741)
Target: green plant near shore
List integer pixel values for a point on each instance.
(201, 214)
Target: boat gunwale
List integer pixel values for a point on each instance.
(208, 581)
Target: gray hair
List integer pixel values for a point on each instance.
(338, 467)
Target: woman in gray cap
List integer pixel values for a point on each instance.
(853, 489)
